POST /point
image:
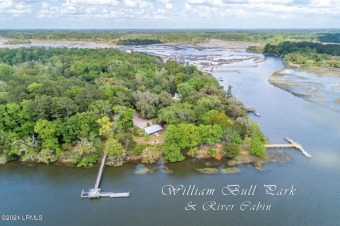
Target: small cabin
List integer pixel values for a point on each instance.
(153, 129)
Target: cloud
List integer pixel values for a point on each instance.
(12, 8)
(207, 2)
(95, 2)
(194, 12)
(137, 4)
(169, 6)
(5, 4)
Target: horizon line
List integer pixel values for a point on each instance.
(148, 29)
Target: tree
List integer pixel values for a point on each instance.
(49, 132)
(185, 90)
(229, 93)
(214, 117)
(245, 126)
(150, 154)
(173, 153)
(231, 150)
(256, 132)
(246, 144)
(126, 140)
(85, 154)
(34, 86)
(177, 113)
(257, 148)
(3, 86)
(105, 126)
(123, 118)
(231, 135)
(235, 111)
(205, 105)
(80, 125)
(101, 107)
(235, 108)
(65, 107)
(172, 149)
(189, 136)
(210, 134)
(26, 148)
(10, 118)
(146, 103)
(47, 156)
(113, 147)
(164, 100)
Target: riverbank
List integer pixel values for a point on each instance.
(244, 158)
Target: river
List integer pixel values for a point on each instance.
(54, 191)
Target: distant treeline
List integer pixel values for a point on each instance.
(303, 47)
(174, 36)
(335, 38)
(138, 41)
(306, 53)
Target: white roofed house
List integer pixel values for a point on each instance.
(153, 129)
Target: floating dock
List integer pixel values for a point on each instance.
(252, 110)
(96, 191)
(292, 144)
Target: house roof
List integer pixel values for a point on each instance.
(153, 129)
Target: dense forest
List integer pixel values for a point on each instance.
(303, 47)
(306, 53)
(59, 104)
(175, 36)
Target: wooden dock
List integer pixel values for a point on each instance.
(292, 144)
(96, 191)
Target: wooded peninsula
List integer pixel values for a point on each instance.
(61, 104)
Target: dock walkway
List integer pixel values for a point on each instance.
(292, 144)
(96, 191)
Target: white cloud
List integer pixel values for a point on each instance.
(321, 2)
(4, 4)
(165, 1)
(137, 4)
(207, 2)
(195, 12)
(169, 6)
(11, 8)
(95, 2)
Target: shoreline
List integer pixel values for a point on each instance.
(244, 159)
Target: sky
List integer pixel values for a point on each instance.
(168, 14)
